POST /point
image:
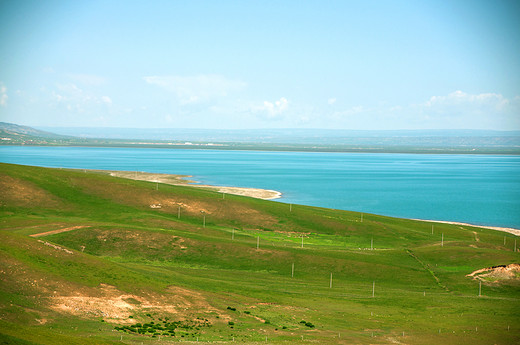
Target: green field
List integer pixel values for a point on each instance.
(209, 268)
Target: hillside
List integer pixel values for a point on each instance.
(88, 258)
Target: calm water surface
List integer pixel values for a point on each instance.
(479, 189)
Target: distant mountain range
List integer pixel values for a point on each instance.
(429, 141)
(266, 135)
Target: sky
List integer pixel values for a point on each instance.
(361, 65)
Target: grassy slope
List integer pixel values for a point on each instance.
(186, 271)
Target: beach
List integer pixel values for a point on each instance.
(513, 231)
(179, 180)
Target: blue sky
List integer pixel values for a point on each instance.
(261, 64)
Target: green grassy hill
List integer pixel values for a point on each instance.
(86, 258)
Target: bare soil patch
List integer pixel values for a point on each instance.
(497, 274)
(114, 306)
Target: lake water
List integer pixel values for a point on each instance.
(478, 189)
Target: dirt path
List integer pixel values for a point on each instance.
(52, 232)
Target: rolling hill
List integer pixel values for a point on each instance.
(87, 258)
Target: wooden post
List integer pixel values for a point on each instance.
(480, 288)
(233, 234)
(204, 220)
(292, 270)
(179, 213)
(432, 229)
(504, 240)
(302, 240)
(330, 285)
(373, 288)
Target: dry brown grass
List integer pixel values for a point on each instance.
(21, 193)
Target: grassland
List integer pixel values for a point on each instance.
(87, 258)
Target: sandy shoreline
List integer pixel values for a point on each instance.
(513, 231)
(184, 180)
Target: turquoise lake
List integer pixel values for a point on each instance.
(477, 189)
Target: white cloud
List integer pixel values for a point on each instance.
(462, 110)
(272, 110)
(462, 99)
(3, 95)
(331, 101)
(456, 110)
(74, 98)
(106, 100)
(195, 89)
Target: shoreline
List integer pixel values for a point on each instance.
(184, 180)
(265, 194)
(513, 231)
